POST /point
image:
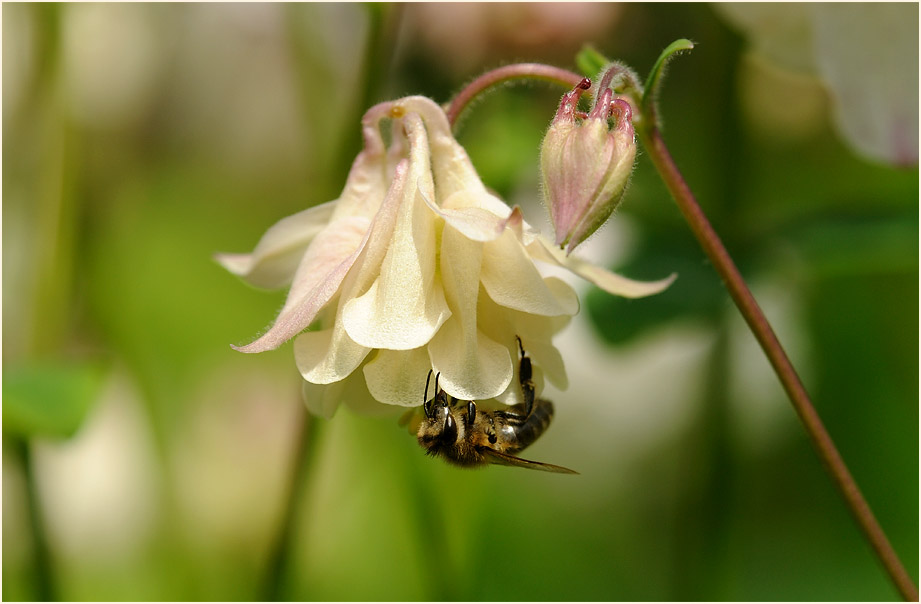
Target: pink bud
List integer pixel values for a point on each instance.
(586, 164)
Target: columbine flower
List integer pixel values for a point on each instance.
(415, 267)
(585, 165)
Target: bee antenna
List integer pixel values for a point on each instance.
(436, 383)
(520, 346)
(425, 397)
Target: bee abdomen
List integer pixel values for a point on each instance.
(535, 424)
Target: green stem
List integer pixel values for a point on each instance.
(383, 25)
(429, 518)
(281, 550)
(744, 300)
(44, 578)
(702, 518)
(761, 328)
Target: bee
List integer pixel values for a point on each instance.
(465, 436)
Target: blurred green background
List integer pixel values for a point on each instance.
(140, 139)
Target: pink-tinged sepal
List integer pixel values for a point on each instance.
(586, 164)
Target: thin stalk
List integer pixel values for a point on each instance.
(280, 553)
(383, 24)
(761, 328)
(430, 516)
(702, 520)
(44, 576)
(518, 71)
(744, 300)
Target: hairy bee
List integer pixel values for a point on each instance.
(463, 435)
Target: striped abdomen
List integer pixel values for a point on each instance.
(518, 431)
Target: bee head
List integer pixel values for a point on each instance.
(439, 429)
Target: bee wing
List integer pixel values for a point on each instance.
(504, 459)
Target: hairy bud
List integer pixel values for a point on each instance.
(586, 163)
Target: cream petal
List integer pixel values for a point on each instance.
(454, 172)
(316, 289)
(604, 279)
(461, 263)
(392, 315)
(565, 295)
(512, 280)
(473, 198)
(472, 368)
(503, 325)
(472, 365)
(405, 305)
(397, 377)
(318, 278)
(322, 399)
(328, 355)
(468, 213)
(334, 249)
(368, 179)
(358, 398)
(241, 264)
(450, 163)
(537, 339)
(366, 187)
(368, 266)
(279, 251)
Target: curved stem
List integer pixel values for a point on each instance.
(758, 323)
(741, 295)
(280, 553)
(42, 570)
(533, 71)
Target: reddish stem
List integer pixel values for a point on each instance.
(761, 328)
(741, 295)
(534, 71)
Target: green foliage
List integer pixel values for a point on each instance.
(590, 62)
(49, 399)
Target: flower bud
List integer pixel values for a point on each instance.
(586, 164)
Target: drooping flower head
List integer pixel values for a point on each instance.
(415, 267)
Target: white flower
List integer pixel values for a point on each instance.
(865, 53)
(415, 267)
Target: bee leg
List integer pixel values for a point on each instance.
(524, 378)
(426, 403)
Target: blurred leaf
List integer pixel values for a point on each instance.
(49, 399)
(868, 56)
(836, 246)
(590, 61)
(696, 294)
(865, 54)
